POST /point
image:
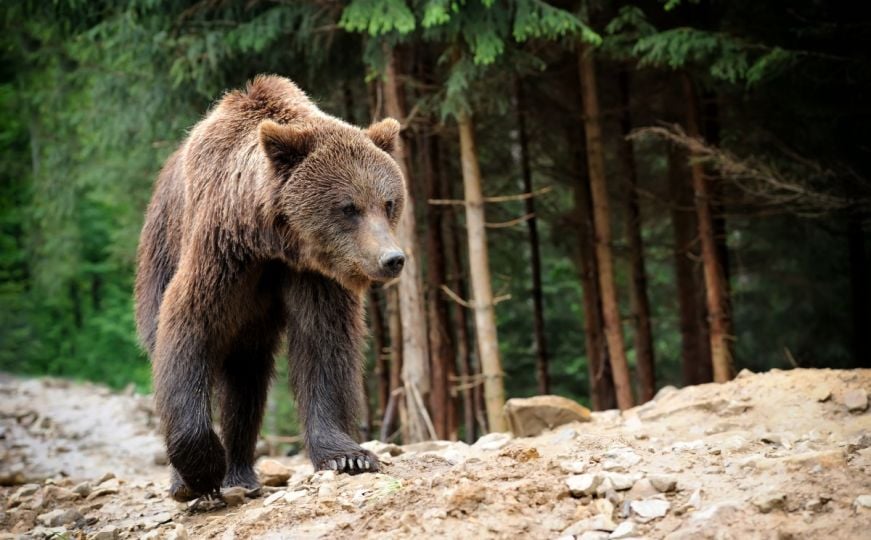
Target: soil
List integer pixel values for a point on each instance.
(783, 454)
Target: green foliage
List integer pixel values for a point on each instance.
(377, 17)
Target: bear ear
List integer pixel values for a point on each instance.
(285, 146)
(385, 134)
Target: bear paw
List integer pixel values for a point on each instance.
(351, 462)
(244, 477)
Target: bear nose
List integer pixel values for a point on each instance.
(392, 262)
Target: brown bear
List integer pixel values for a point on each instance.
(271, 218)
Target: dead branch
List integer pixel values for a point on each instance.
(497, 199)
(509, 223)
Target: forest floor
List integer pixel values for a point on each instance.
(784, 454)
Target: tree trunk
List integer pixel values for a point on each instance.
(479, 265)
(601, 219)
(716, 296)
(379, 345)
(695, 346)
(457, 282)
(540, 340)
(442, 358)
(602, 395)
(638, 283)
(394, 319)
(415, 354)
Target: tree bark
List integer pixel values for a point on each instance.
(379, 344)
(457, 282)
(539, 338)
(716, 296)
(415, 353)
(442, 358)
(638, 283)
(394, 319)
(601, 218)
(479, 265)
(695, 346)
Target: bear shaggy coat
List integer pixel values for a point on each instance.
(271, 219)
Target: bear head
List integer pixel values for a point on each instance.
(339, 193)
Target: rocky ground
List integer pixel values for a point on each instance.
(785, 454)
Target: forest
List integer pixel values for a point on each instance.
(605, 197)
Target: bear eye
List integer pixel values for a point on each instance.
(388, 207)
(350, 210)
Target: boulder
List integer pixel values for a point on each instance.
(528, 417)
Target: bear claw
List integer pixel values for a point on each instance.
(350, 464)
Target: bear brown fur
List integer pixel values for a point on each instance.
(270, 220)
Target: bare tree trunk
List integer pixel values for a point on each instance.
(394, 319)
(638, 284)
(415, 353)
(534, 250)
(602, 394)
(479, 265)
(715, 285)
(601, 218)
(440, 345)
(695, 346)
(456, 281)
(379, 344)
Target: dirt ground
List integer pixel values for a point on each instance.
(784, 454)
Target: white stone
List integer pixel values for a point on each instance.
(492, 441)
(648, 509)
(274, 497)
(624, 530)
(583, 484)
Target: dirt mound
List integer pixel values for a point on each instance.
(785, 454)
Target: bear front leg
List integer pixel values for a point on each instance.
(183, 363)
(325, 339)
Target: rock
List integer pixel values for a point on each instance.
(274, 497)
(294, 495)
(58, 493)
(563, 436)
(821, 393)
(642, 489)
(695, 499)
(598, 523)
(179, 533)
(856, 400)
(528, 417)
(323, 476)
(583, 484)
(233, 496)
(378, 448)
(273, 473)
(862, 501)
(573, 467)
(109, 532)
(156, 520)
(624, 530)
(105, 477)
(492, 441)
(648, 509)
(620, 459)
(23, 493)
(663, 392)
(663, 484)
(816, 504)
(769, 501)
(83, 489)
(593, 535)
(59, 517)
(622, 482)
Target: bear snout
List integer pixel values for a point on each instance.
(392, 262)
